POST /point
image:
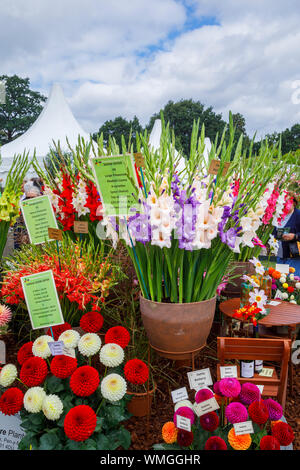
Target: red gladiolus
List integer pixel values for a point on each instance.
(269, 443)
(25, 352)
(91, 322)
(84, 381)
(80, 423)
(136, 371)
(63, 366)
(34, 371)
(11, 401)
(118, 335)
(215, 443)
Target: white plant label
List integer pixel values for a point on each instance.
(10, 432)
(2, 352)
(278, 294)
(246, 427)
(261, 388)
(179, 394)
(283, 268)
(228, 371)
(68, 352)
(199, 378)
(183, 423)
(56, 348)
(206, 406)
(274, 303)
(266, 372)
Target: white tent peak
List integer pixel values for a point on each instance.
(154, 138)
(55, 123)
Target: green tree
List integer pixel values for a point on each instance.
(290, 139)
(118, 127)
(21, 108)
(181, 116)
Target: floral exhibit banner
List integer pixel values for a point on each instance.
(42, 300)
(38, 216)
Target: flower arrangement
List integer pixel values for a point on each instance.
(216, 430)
(76, 400)
(286, 286)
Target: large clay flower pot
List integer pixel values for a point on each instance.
(176, 331)
(240, 268)
(140, 403)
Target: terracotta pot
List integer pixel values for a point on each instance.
(240, 268)
(177, 330)
(140, 403)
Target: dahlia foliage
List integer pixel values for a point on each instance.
(76, 400)
(216, 431)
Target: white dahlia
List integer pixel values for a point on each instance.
(8, 375)
(70, 338)
(40, 346)
(33, 399)
(181, 403)
(111, 355)
(89, 344)
(113, 387)
(52, 407)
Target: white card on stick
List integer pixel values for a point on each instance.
(183, 423)
(179, 394)
(228, 371)
(2, 352)
(266, 372)
(283, 268)
(56, 347)
(199, 378)
(274, 303)
(206, 406)
(246, 427)
(261, 388)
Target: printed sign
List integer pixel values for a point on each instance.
(206, 406)
(215, 166)
(199, 378)
(283, 268)
(69, 352)
(274, 303)
(2, 352)
(139, 160)
(266, 372)
(42, 300)
(80, 226)
(179, 394)
(54, 234)
(116, 182)
(183, 423)
(10, 432)
(261, 388)
(228, 371)
(38, 216)
(246, 427)
(56, 348)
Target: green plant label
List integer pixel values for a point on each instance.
(117, 183)
(38, 216)
(42, 300)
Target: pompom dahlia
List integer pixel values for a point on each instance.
(274, 409)
(236, 413)
(215, 443)
(8, 375)
(84, 381)
(203, 394)
(136, 371)
(169, 432)
(269, 443)
(249, 393)
(118, 335)
(40, 346)
(25, 352)
(63, 366)
(34, 371)
(91, 322)
(89, 344)
(184, 438)
(209, 421)
(5, 315)
(11, 401)
(70, 338)
(186, 412)
(33, 399)
(258, 412)
(80, 423)
(58, 330)
(216, 388)
(181, 403)
(52, 407)
(229, 387)
(113, 387)
(242, 442)
(111, 355)
(283, 433)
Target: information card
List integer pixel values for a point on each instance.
(38, 216)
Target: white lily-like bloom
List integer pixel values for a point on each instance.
(259, 269)
(259, 297)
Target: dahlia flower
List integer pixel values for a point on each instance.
(91, 322)
(229, 387)
(185, 403)
(184, 438)
(52, 407)
(283, 433)
(258, 412)
(80, 423)
(40, 346)
(203, 394)
(236, 413)
(249, 393)
(242, 442)
(33, 399)
(118, 335)
(63, 366)
(25, 352)
(111, 355)
(34, 371)
(11, 401)
(89, 344)
(169, 432)
(84, 381)
(70, 338)
(209, 421)
(113, 387)
(215, 443)
(274, 409)
(5, 315)
(58, 330)
(8, 375)
(186, 412)
(269, 443)
(136, 371)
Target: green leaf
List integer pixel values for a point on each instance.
(89, 444)
(119, 437)
(103, 442)
(73, 445)
(99, 424)
(54, 385)
(49, 441)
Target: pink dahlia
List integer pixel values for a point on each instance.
(203, 394)
(216, 388)
(249, 393)
(236, 413)
(230, 387)
(5, 315)
(186, 412)
(274, 409)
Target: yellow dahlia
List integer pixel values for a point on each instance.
(8, 375)
(113, 387)
(40, 346)
(89, 344)
(52, 407)
(70, 338)
(33, 399)
(111, 355)
(242, 442)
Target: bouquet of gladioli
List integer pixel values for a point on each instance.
(286, 286)
(216, 430)
(76, 400)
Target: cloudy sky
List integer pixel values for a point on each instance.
(130, 57)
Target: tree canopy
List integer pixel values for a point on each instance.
(118, 127)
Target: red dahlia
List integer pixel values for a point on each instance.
(80, 423)
(209, 421)
(184, 438)
(11, 401)
(258, 412)
(84, 381)
(58, 330)
(25, 352)
(283, 433)
(34, 371)
(63, 366)
(118, 335)
(136, 371)
(91, 322)
(269, 443)
(215, 443)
